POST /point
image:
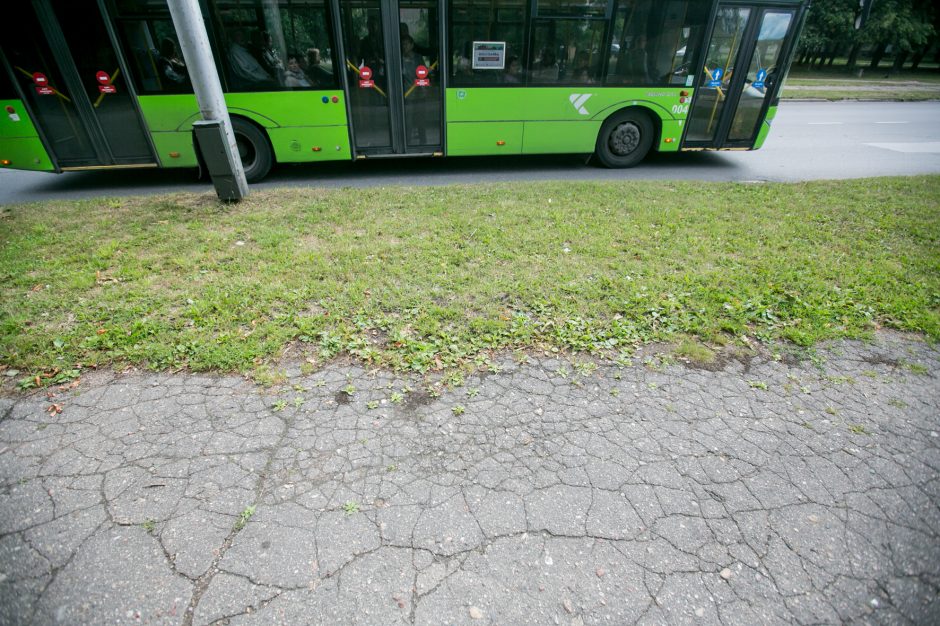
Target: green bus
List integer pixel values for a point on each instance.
(94, 84)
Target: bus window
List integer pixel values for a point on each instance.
(654, 42)
(272, 46)
(151, 46)
(153, 51)
(567, 51)
(485, 21)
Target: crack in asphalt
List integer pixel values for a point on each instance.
(607, 494)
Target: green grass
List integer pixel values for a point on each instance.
(430, 278)
(835, 94)
(837, 84)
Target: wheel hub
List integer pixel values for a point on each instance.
(624, 139)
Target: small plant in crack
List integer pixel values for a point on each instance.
(585, 368)
(473, 392)
(244, 516)
(397, 398)
(615, 392)
(623, 360)
(298, 402)
(858, 429)
(319, 382)
(351, 508)
(458, 409)
(898, 403)
(280, 405)
(391, 468)
(757, 384)
(349, 390)
(562, 371)
(372, 404)
(150, 525)
(915, 368)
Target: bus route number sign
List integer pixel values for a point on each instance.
(421, 77)
(365, 78)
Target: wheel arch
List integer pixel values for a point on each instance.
(200, 161)
(652, 110)
(261, 128)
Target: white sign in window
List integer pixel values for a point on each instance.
(489, 55)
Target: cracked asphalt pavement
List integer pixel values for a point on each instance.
(554, 491)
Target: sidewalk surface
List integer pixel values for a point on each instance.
(759, 491)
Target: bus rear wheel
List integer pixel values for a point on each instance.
(253, 148)
(625, 139)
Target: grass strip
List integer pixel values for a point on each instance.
(835, 94)
(424, 278)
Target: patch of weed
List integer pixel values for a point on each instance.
(244, 516)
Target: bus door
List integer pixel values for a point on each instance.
(66, 65)
(392, 61)
(744, 62)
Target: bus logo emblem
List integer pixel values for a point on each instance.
(578, 100)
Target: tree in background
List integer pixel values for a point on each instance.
(905, 25)
(834, 27)
(829, 30)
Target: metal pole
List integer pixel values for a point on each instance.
(200, 64)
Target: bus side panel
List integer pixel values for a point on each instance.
(560, 119)
(765, 127)
(303, 144)
(19, 141)
(671, 135)
(175, 149)
(479, 138)
(296, 123)
(546, 137)
(169, 119)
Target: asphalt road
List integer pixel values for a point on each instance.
(763, 492)
(810, 140)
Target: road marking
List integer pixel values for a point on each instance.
(825, 123)
(928, 147)
(892, 122)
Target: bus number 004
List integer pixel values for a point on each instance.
(680, 108)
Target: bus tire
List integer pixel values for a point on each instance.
(254, 149)
(625, 139)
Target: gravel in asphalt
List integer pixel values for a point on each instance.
(549, 492)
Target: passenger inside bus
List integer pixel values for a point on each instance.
(318, 75)
(371, 53)
(513, 71)
(264, 51)
(410, 60)
(294, 75)
(246, 69)
(582, 68)
(546, 67)
(171, 67)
